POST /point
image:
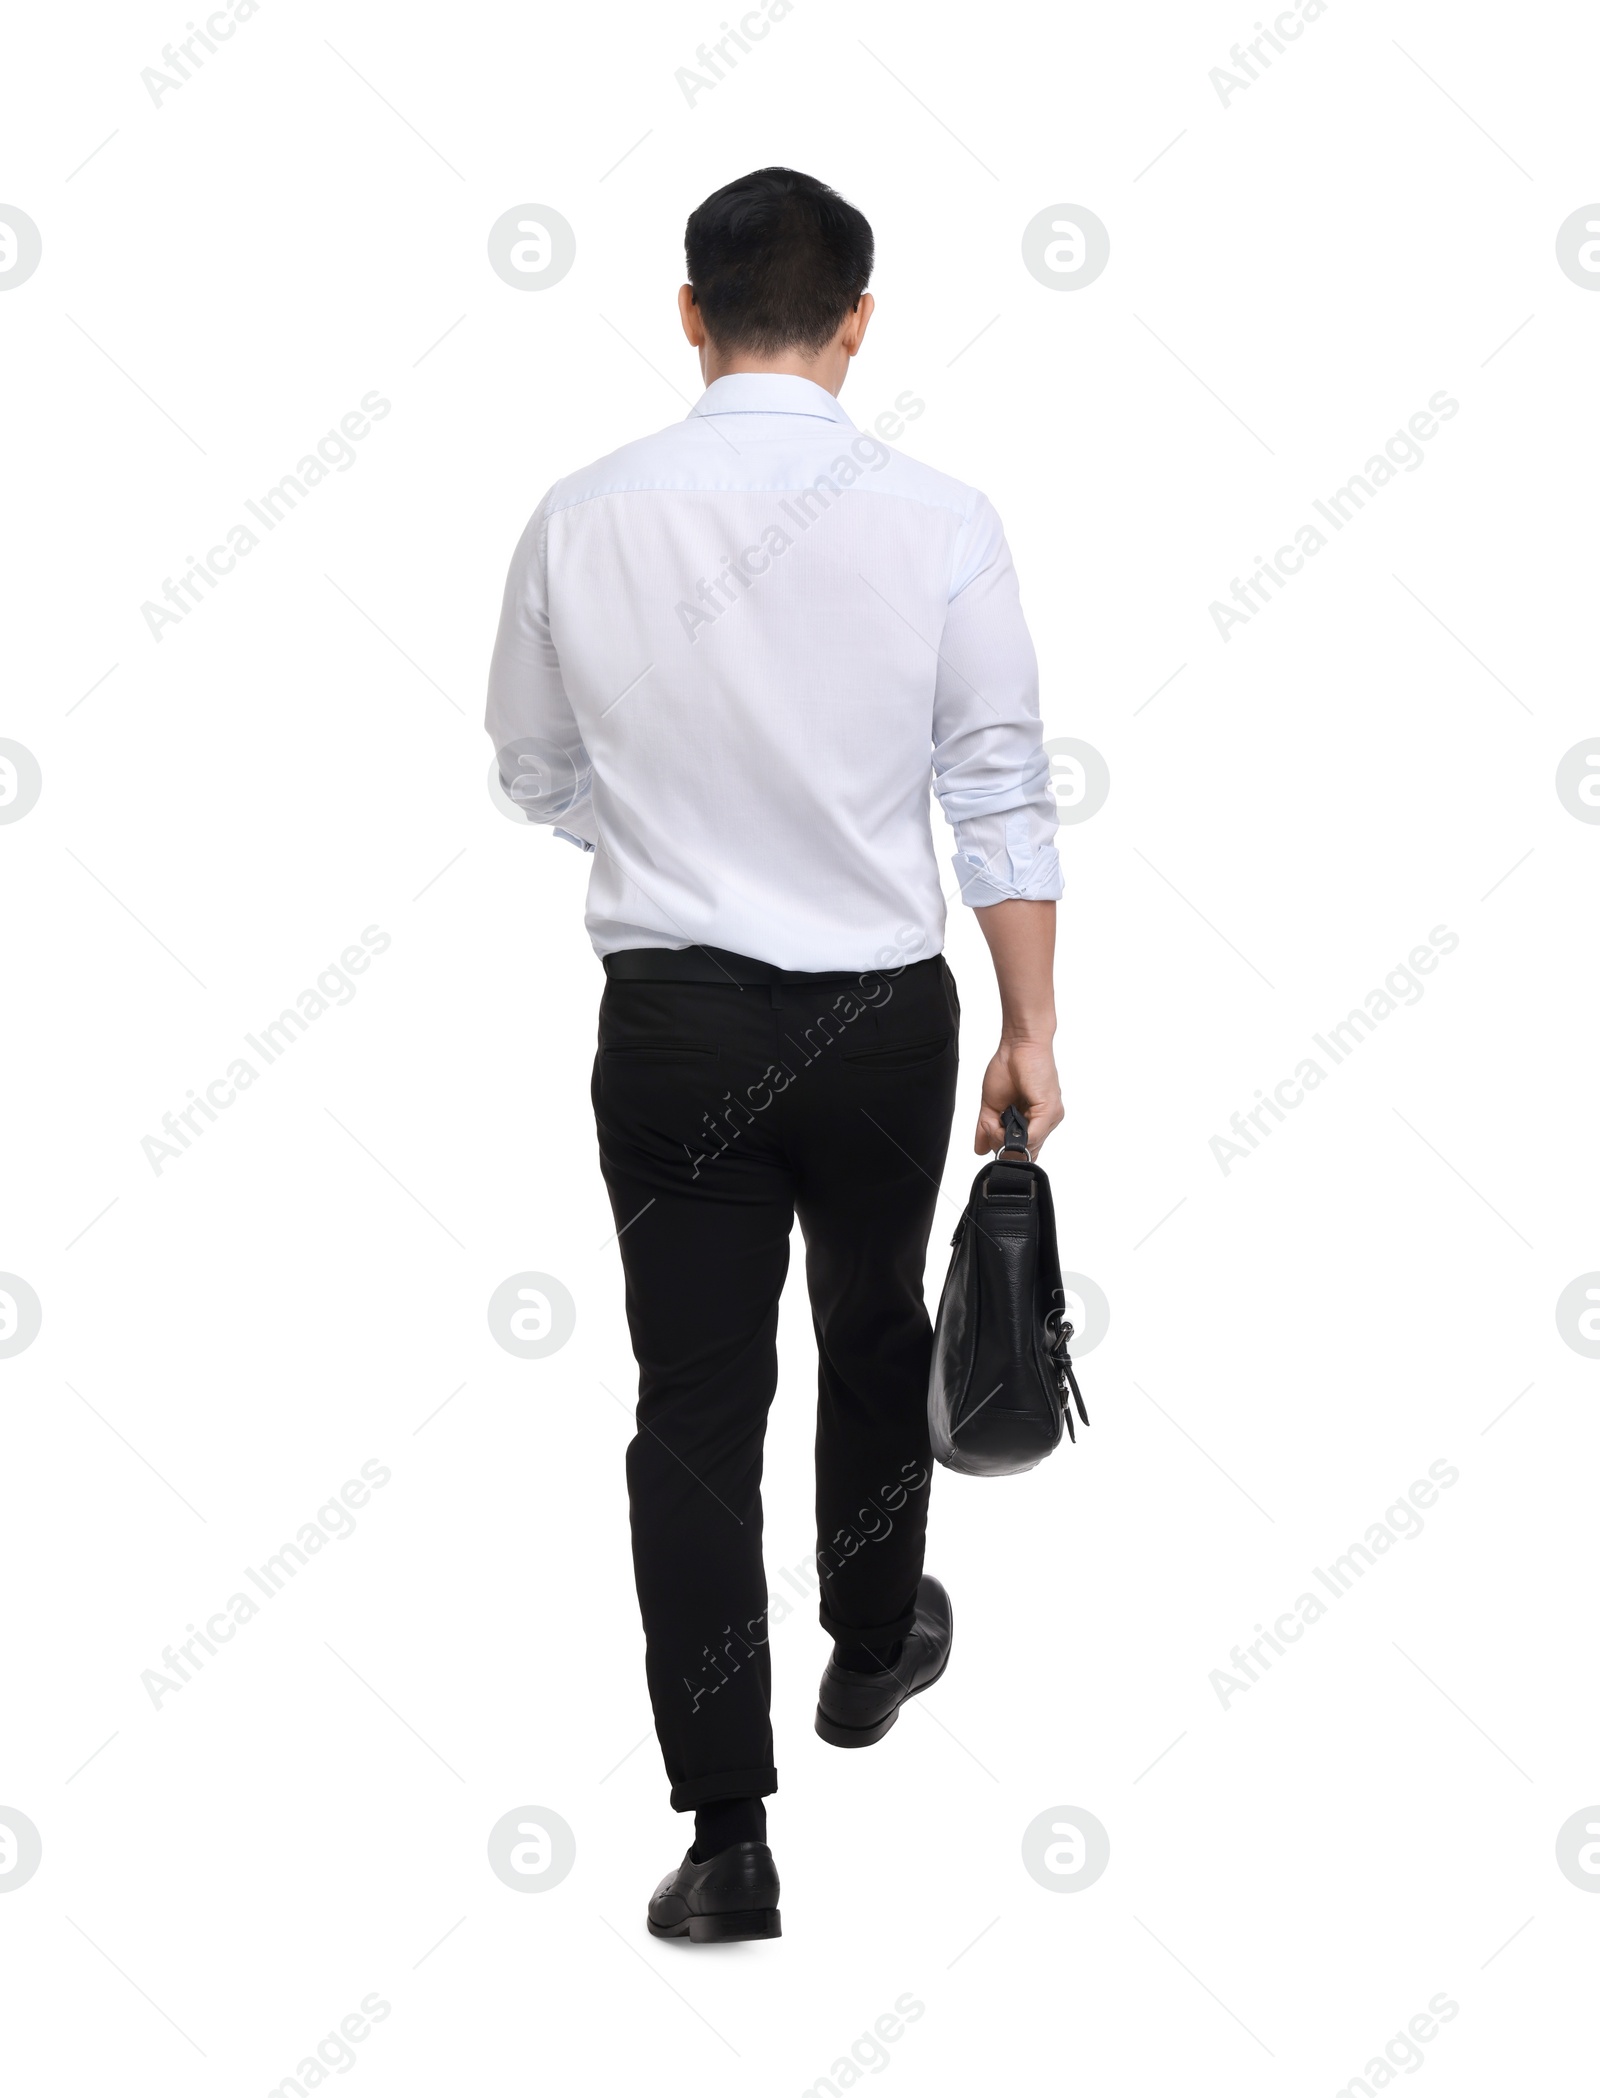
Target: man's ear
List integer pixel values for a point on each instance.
(855, 326)
(694, 326)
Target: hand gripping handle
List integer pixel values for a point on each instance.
(1015, 1127)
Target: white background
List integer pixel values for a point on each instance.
(304, 1288)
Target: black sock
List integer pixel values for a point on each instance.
(724, 1821)
(866, 1660)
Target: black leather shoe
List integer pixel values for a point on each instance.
(732, 1895)
(853, 1711)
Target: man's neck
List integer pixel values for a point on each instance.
(827, 371)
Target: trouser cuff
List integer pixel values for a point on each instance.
(732, 1784)
(868, 1635)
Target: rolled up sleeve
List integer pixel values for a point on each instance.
(990, 771)
(544, 766)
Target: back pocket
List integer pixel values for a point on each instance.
(657, 1053)
(899, 1056)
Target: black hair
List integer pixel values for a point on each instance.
(776, 260)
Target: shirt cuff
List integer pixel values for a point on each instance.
(981, 884)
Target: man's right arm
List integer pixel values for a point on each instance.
(544, 766)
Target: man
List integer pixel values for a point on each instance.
(731, 657)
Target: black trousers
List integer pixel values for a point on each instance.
(724, 1111)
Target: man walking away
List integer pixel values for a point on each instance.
(731, 657)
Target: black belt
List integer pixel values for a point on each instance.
(717, 965)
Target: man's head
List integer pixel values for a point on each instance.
(778, 267)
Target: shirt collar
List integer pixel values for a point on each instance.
(769, 393)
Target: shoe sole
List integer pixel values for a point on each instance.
(864, 1736)
(722, 1930)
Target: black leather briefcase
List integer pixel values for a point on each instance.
(1001, 1388)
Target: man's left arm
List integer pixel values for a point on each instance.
(990, 771)
(993, 781)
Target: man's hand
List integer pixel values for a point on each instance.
(1022, 1071)
(1020, 1075)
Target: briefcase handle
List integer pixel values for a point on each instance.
(1015, 1129)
